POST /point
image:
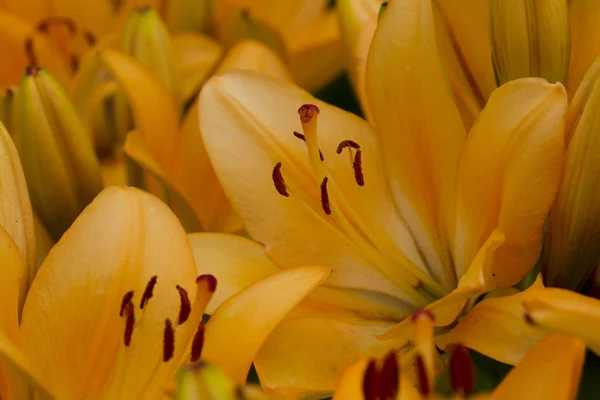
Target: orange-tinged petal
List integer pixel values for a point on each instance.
(193, 175)
(71, 323)
(510, 170)
(240, 326)
(16, 215)
(585, 40)
(294, 228)
(567, 312)
(154, 108)
(571, 253)
(418, 124)
(496, 328)
(235, 261)
(315, 350)
(551, 370)
(254, 56)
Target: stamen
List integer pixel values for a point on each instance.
(422, 375)
(129, 323)
(185, 307)
(462, 374)
(89, 38)
(307, 112)
(198, 343)
(303, 138)
(325, 197)
(30, 53)
(423, 313)
(126, 300)
(389, 377)
(278, 181)
(347, 143)
(168, 341)
(371, 384)
(211, 282)
(357, 165)
(74, 63)
(148, 292)
(44, 25)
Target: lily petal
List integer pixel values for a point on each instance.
(510, 170)
(240, 326)
(71, 324)
(421, 152)
(315, 350)
(551, 370)
(496, 328)
(585, 40)
(235, 261)
(567, 312)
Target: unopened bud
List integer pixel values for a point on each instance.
(530, 38)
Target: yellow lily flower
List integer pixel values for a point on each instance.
(545, 372)
(421, 215)
(114, 310)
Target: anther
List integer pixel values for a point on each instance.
(303, 138)
(126, 300)
(278, 181)
(357, 165)
(10, 92)
(197, 343)
(168, 341)
(462, 374)
(422, 375)
(30, 53)
(44, 25)
(389, 377)
(307, 112)
(325, 197)
(185, 307)
(129, 323)
(211, 282)
(148, 292)
(89, 38)
(347, 143)
(370, 384)
(74, 63)
(529, 320)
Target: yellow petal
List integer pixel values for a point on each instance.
(463, 42)
(235, 261)
(510, 170)
(496, 328)
(419, 126)
(566, 312)
(585, 40)
(255, 56)
(71, 323)
(43, 240)
(293, 228)
(193, 175)
(571, 254)
(197, 57)
(154, 108)
(240, 326)
(16, 216)
(552, 370)
(350, 386)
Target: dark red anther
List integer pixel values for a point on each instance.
(89, 38)
(389, 377)
(74, 63)
(129, 323)
(423, 312)
(126, 300)
(300, 136)
(528, 319)
(211, 282)
(357, 165)
(185, 307)
(347, 143)
(278, 181)
(197, 343)
(325, 197)
(168, 341)
(148, 292)
(462, 373)
(371, 385)
(307, 112)
(32, 69)
(44, 25)
(422, 375)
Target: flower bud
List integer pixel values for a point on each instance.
(62, 172)
(530, 38)
(147, 39)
